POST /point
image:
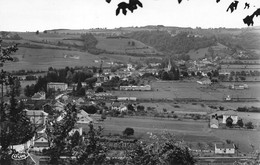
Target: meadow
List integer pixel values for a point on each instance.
(170, 90)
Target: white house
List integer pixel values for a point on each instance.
(37, 117)
(23, 147)
(119, 106)
(214, 123)
(41, 142)
(224, 149)
(84, 118)
(231, 114)
(57, 86)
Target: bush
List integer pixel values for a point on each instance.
(128, 131)
(249, 125)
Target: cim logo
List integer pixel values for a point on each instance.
(20, 156)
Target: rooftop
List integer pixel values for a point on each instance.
(224, 146)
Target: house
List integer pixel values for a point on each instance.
(57, 86)
(37, 117)
(231, 114)
(79, 129)
(84, 118)
(39, 96)
(214, 123)
(119, 107)
(224, 148)
(23, 147)
(41, 142)
(80, 101)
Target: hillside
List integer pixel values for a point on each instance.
(178, 43)
(128, 46)
(40, 51)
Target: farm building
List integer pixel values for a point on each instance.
(238, 86)
(224, 149)
(231, 114)
(57, 86)
(136, 88)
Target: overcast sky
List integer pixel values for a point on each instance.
(32, 15)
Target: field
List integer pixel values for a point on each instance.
(42, 59)
(190, 131)
(177, 89)
(51, 50)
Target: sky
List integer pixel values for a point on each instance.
(32, 15)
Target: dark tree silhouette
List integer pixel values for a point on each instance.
(132, 5)
(249, 18)
(233, 6)
(247, 5)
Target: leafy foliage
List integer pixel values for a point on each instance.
(132, 5)
(15, 128)
(249, 125)
(163, 149)
(58, 134)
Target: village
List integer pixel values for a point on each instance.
(197, 105)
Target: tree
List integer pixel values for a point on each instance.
(90, 109)
(199, 74)
(240, 123)
(130, 107)
(209, 74)
(37, 32)
(58, 134)
(90, 151)
(79, 85)
(99, 89)
(249, 125)
(229, 122)
(164, 149)
(133, 5)
(140, 108)
(128, 131)
(165, 76)
(15, 128)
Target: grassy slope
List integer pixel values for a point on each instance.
(122, 46)
(44, 57)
